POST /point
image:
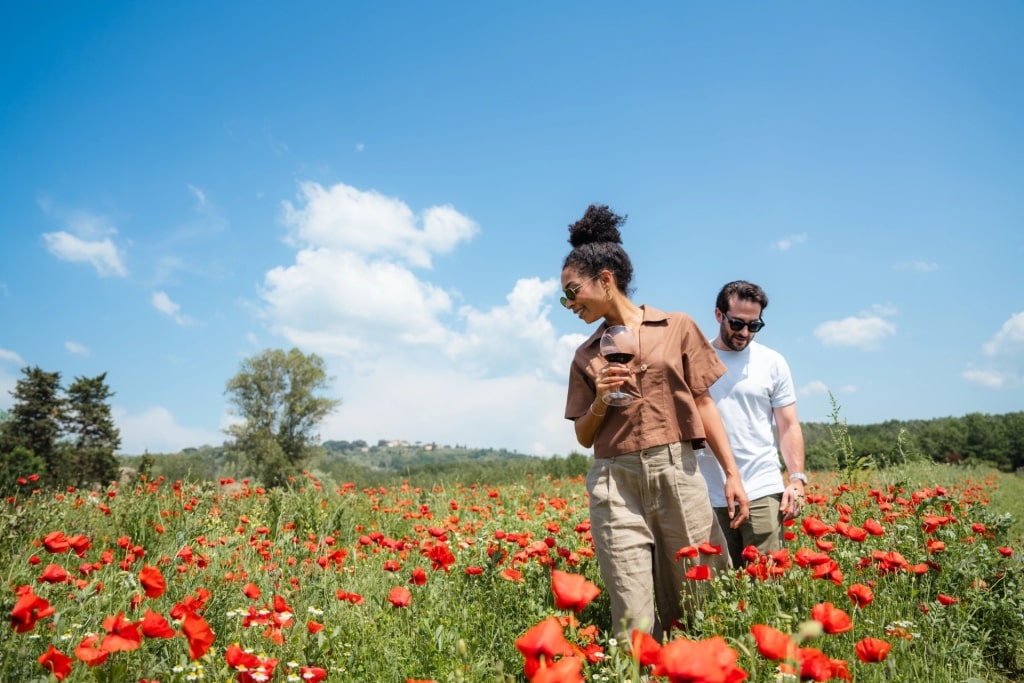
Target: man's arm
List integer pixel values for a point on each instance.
(714, 431)
(791, 443)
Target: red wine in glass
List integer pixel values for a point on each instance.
(618, 345)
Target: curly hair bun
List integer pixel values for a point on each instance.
(599, 224)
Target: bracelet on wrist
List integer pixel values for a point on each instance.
(596, 413)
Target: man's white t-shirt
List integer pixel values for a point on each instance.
(758, 381)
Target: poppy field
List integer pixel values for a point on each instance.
(888, 576)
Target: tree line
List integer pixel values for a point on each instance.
(995, 440)
(58, 436)
(55, 437)
(66, 437)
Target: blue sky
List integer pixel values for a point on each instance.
(389, 185)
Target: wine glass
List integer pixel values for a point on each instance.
(618, 345)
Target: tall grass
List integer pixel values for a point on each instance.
(303, 578)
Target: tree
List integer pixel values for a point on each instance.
(92, 436)
(275, 394)
(36, 419)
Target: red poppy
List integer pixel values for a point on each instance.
(199, 634)
(312, 674)
(314, 626)
(932, 522)
(829, 570)
(840, 669)
(28, 610)
(1005, 551)
(152, 580)
(542, 643)
(645, 648)
(400, 596)
(687, 551)
(814, 527)
(750, 554)
(58, 663)
(121, 634)
(870, 650)
(418, 577)
(874, 527)
(250, 667)
(833, 619)
(565, 670)
(815, 665)
(572, 591)
(281, 606)
(708, 549)
(155, 626)
(805, 557)
(53, 573)
(772, 643)
(860, 595)
(79, 543)
(512, 574)
(699, 661)
(88, 651)
(946, 600)
(56, 542)
(441, 557)
(699, 572)
(251, 591)
(474, 570)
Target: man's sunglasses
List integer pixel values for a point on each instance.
(736, 325)
(571, 292)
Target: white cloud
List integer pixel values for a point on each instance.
(864, 331)
(407, 363)
(370, 224)
(884, 310)
(11, 357)
(155, 430)
(786, 243)
(76, 348)
(395, 398)
(198, 194)
(1006, 353)
(813, 388)
(87, 239)
(102, 254)
(1009, 340)
(163, 303)
(990, 379)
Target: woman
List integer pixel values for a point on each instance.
(647, 496)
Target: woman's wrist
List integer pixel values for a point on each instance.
(602, 414)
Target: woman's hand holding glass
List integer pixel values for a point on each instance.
(618, 346)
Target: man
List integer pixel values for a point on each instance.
(756, 391)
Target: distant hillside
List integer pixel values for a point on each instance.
(401, 455)
(366, 465)
(996, 440)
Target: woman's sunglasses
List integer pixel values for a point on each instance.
(571, 292)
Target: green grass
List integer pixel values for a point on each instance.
(306, 544)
